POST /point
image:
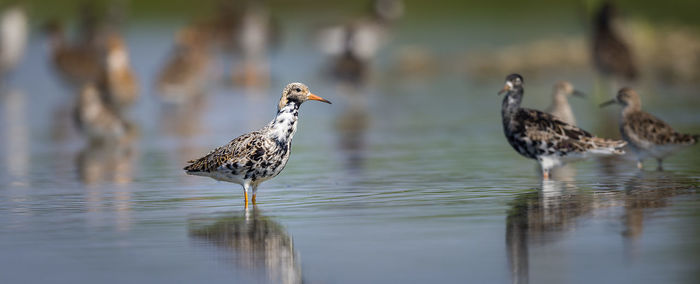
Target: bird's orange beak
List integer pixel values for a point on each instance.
(317, 98)
(506, 88)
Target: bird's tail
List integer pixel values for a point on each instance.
(603, 146)
(685, 139)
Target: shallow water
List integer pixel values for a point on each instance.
(405, 180)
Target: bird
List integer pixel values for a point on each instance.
(354, 44)
(252, 158)
(184, 76)
(560, 104)
(647, 135)
(256, 33)
(96, 120)
(77, 64)
(14, 28)
(119, 85)
(611, 55)
(545, 138)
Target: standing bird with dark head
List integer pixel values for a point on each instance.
(647, 135)
(544, 137)
(260, 155)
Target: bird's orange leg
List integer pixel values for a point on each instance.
(245, 193)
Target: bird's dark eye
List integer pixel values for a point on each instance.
(297, 90)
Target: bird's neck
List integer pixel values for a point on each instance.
(560, 100)
(284, 125)
(631, 107)
(117, 60)
(603, 23)
(511, 102)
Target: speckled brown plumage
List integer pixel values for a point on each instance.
(542, 136)
(254, 156)
(260, 155)
(648, 136)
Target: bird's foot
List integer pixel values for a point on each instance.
(254, 198)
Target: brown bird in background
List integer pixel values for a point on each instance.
(76, 63)
(612, 56)
(185, 74)
(647, 135)
(118, 83)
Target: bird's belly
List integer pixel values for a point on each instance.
(226, 176)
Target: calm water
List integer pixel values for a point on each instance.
(406, 180)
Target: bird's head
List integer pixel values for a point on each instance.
(565, 88)
(625, 97)
(512, 81)
(298, 93)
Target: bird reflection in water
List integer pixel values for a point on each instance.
(183, 123)
(253, 242)
(544, 216)
(351, 128)
(102, 161)
(15, 135)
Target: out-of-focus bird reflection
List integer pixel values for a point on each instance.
(14, 28)
(353, 45)
(15, 135)
(102, 161)
(253, 242)
(184, 123)
(108, 155)
(351, 128)
(544, 216)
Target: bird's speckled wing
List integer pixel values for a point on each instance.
(550, 135)
(543, 127)
(239, 151)
(652, 129)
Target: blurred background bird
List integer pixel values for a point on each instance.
(185, 75)
(96, 120)
(351, 46)
(14, 30)
(612, 55)
(119, 84)
(647, 135)
(560, 102)
(77, 63)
